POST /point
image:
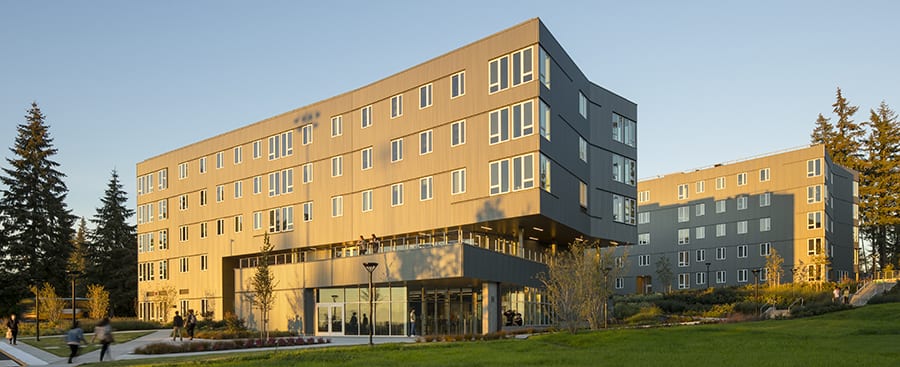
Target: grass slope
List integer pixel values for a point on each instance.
(861, 337)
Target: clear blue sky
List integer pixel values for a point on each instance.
(122, 81)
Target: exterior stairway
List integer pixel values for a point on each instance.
(871, 289)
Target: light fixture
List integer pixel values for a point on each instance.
(533, 238)
(537, 229)
(486, 228)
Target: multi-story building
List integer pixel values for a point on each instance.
(457, 177)
(718, 224)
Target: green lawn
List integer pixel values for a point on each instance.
(56, 344)
(863, 337)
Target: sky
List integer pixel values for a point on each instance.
(714, 81)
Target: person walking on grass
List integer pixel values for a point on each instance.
(103, 331)
(191, 323)
(177, 324)
(74, 338)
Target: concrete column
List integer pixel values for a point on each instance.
(520, 251)
(490, 309)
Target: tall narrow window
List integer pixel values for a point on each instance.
(682, 191)
(582, 105)
(396, 150)
(238, 155)
(458, 84)
(544, 67)
(458, 181)
(397, 194)
(544, 120)
(700, 186)
(814, 167)
(337, 206)
(220, 160)
(396, 106)
(337, 166)
(425, 144)
(425, 188)
(498, 70)
(522, 119)
(337, 126)
(742, 178)
(499, 126)
(367, 201)
(458, 133)
(306, 134)
(307, 173)
(720, 183)
(522, 68)
(764, 175)
(582, 149)
(365, 116)
(523, 172)
(499, 172)
(583, 195)
(257, 149)
(366, 156)
(544, 173)
(308, 211)
(202, 165)
(425, 96)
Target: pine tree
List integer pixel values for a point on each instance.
(112, 254)
(823, 132)
(36, 223)
(846, 142)
(880, 182)
(263, 284)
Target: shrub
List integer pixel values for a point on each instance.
(647, 315)
(720, 311)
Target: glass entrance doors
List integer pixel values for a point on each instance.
(329, 319)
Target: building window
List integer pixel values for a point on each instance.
(458, 84)
(163, 206)
(544, 173)
(544, 62)
(220, 160)
(220, 193)
(499, 126)
(204, 262)
(720, 183)
(257, 185)
(544, 120)
(458, 181)
(163, 270)
(257, 221)
(814, 246)
(742, 179)
(238, 155)
(620, 283)
(183, 202)
(644, 196)
(396, 106)
(764, 175)
(397, 194)
(337, 126)
(624, 130)
(281, 145)
(720, 206)
(684, 214)
(720, 230)
(396, 150)
(458, 133)
(700, 233)
(220, 227)
(522, 69)
(522, 119)
(813, 220)
(700, 210)
(720, 253)
(522, 173)
(624, 170)
(498, 70)
(204, 230)
(720, 277)
(238, 189)
(202, 165)
(684, 259)
(701, 278)
(499, 171)
(582, 105)
(365, 117)
(366, 155)
(425, 96)
(643, 260)
(183, 233)
(742, 227)
(425, 144)
(583, 199)
(742, 275)
(425, 188)
(367, 201)
(684, 281)
(814, 194)
(682, 191)
(765, 249)
(184, 265)
(337, 166)
(765, 199)
(238, 224)
(308, 211)
(145, 184)
(203, 197)
(814, 167)
(337, 206)
(281, 219)
(643, 239)
(306, 134)
(307, 173)
(742, 202)
(684, 236)
(281, 182)
(582, 149)
(257, 149)
(765, 224)
(742, 251)
(643, 217)
(182, 171)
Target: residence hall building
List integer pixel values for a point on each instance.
(457, 176)
(716, 225)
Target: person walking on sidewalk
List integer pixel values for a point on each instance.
(103, 331)
(191, 323)
(12, 329)
(74, 338)
(177, 324)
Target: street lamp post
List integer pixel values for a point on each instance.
(756, 297)
(37, 314)
(707, 275)
(370, 267)
(74, 274)
(606, 271)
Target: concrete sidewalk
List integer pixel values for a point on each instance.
(28, 355)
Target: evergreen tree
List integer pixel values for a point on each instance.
(823, 133)
(36, 223)
(76, 262)
(880, 183)
(263, 284)
(846, 143)
(112, 254)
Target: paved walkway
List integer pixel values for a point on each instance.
(32, 356)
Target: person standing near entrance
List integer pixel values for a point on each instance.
(12, 329)
(412, 323)
(177, 324)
